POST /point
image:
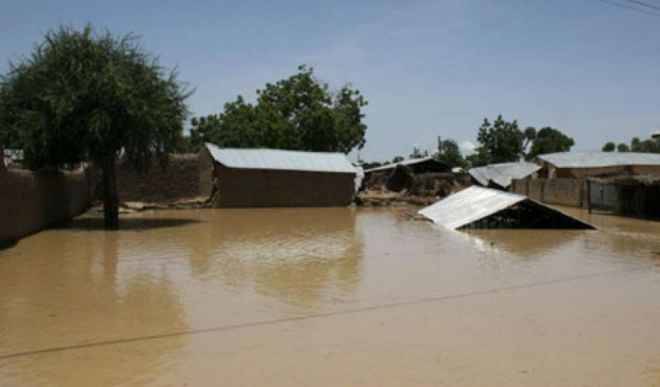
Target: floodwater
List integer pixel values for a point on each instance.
(329, 297)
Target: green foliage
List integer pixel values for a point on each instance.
(529, 136)
(297, 113)
(622, 148)
(499, 142)
(503, 141)
(397, 159)
(646, 146)
(85, 96)
(636, 145)
(549, 140)
(449, 153)
(418, 153)
(609, 147)
(82, 96)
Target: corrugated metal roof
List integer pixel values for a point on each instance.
(502, 174)
(600, 159)
(281, 160)
(469, 205)
(404, 162)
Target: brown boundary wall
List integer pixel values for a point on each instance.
(31, 201)
(179, 180)
(560, 191)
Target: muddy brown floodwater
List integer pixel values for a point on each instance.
(329, 297)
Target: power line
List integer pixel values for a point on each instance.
(645, 4)
(630, 7)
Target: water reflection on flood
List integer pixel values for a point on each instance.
(133, 306)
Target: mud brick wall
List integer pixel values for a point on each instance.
(31, 201)
(565, 192)
(179, 180)
(271, 188)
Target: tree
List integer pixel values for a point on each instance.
(83, 96)
(503, 141)
(296, 113)
(646, 146)
(549, 140)
(622, 147)
(499, 142)
(397, 159)
(529, 136)
(418, 153)
(449, 153)
(609, 147)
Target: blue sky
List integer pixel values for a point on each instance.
(428, 68)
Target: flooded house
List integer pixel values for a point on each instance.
(580, 165)
(481, 208)
(276, 178)
(501, 175)
(417, 166)
(563, 177)
(635, 196)
(398, 176)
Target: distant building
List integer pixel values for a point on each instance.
(421, 165)
(276, 178)
(580, 165)
(656, 135)
(501, 175)
(394, 179)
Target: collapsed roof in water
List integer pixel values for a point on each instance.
(478, 207)
(502, 174)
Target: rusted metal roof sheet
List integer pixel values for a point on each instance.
(469, 205)
(502, 174)
(404, 163)
(274, 159)
(600, 159)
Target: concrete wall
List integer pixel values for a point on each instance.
(565, 192)
(269, 188)
(179, 180)
(31, 201)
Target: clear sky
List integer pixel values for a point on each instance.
(428, 68)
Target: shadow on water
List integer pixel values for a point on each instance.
(127, 224)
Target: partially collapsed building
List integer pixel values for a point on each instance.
(276, 178)
(501, 175)
(417, 166)
(477, 207)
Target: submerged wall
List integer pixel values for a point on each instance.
(31, 201)
(271, 188)
(179, 180)
(560, 191)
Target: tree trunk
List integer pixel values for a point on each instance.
(110, 198)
